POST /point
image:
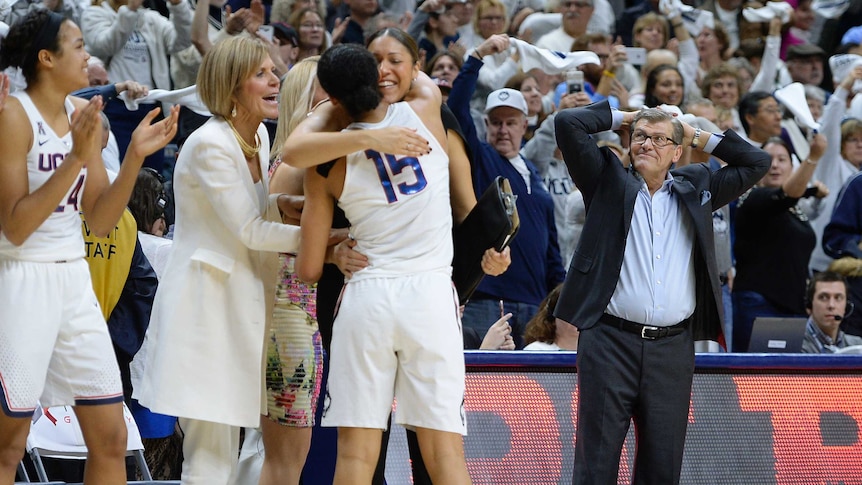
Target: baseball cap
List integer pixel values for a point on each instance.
(852, 36)
(805, 50)
(286, 32)
(506, 97)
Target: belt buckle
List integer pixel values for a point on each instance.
(644, 330)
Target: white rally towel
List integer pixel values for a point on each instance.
(765, 14)
(694, 20)
(539, 24)
(792, 97)
(830, 9)
(187, 97)
(5, 10)
(841, 64)
(551, 62)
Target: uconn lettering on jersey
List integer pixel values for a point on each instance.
(559, 185)
(48, 162)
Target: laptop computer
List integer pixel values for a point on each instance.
(777, 335)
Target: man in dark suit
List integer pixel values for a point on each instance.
(643, 282)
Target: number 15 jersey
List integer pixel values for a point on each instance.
(398, 206)
(59, 238)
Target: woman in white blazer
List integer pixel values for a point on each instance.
(214, 303)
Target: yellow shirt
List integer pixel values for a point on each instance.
(110, 259)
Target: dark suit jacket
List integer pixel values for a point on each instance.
(610, 191)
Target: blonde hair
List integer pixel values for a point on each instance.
(647, 20)
(282, 9)
(224, 68)
(484, 5)
(294, 100)
(849, 128)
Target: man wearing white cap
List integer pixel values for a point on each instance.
(536, 266)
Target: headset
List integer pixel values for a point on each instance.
(827, 277)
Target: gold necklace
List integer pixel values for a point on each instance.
(247, 150)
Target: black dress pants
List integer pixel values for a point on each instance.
(623, 377)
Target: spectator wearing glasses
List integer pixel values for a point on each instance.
(805, 64)
(774, 240)
(576, 16)
(643, 283)
(760, 116)
(499, 65)
(312, 32)
(283, 9)
(491, 18)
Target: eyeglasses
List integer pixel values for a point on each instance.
(853, 139)
(576, 4)
(658, 141)
(493, 18)
(310, 26)
(773, 110)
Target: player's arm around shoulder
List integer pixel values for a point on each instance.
(425, 98)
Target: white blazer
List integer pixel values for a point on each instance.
(214, 303)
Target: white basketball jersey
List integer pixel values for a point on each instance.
(59, 237)
(398, 206)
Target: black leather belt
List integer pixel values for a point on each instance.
(647, 332)
(722, 278)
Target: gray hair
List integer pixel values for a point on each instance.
(95, 61)
(106, 123)
(814, 92)
(654, 115)
(743, 63)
